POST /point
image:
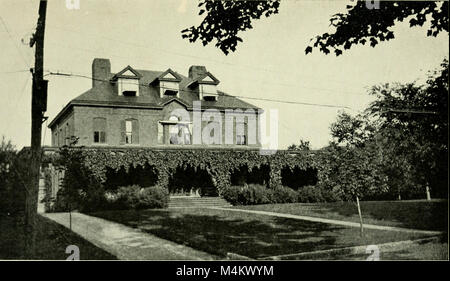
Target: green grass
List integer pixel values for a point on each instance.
(52, 240)
(422, 215)
(256, 236)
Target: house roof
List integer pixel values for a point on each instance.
(105, 94)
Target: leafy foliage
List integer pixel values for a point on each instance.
(413, 126)
(136, 197)
(13, 173)
(303, 145)
(403, 136)
(225, 19)
(317, 194)
(361, 25)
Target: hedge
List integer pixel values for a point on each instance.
(219, 164)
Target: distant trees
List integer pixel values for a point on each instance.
(12, 176)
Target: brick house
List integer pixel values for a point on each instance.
(135, 108)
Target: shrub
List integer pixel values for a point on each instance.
(309, 194)
(247, 195)
(316, 194)
(153, 197)
(231, 194)
(283, 194)
(254, 194)
(332, 195)
(136, 197)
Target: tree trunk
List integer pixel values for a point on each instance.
(360, 217)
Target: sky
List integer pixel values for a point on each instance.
(269, 64)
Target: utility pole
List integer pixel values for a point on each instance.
(38, 107)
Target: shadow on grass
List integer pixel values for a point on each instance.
(52, 240)
(408, 214)
(255, 236)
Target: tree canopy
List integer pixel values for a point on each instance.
(405, 134)
(224, 20)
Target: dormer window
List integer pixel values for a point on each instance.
(128, 87)
(204, 82)
(127, 82)
(208, 92)
(168, 83)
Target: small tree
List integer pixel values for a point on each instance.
(358, 175)
(303, 146)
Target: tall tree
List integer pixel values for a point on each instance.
(224, 20)
(414, 119)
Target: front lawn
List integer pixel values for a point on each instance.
(220, 231)
(425, 215)
(52, 240)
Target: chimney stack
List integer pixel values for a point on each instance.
(101, 70)
(196, 71)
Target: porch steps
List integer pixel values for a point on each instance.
(189, 202)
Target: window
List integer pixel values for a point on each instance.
(160, 133)
(169, 88)
(66, 134)
(240, 140)
(60, 137)
(128, 87)
(208, 92)
(179, 133)
(130, 131)
(241, 137)
(99, 130)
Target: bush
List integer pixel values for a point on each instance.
(316, 194)
(309, 194)
(135, 197)
(283, 194)
(231, 194)
(254, 194)
(247, 195)
(153, 197)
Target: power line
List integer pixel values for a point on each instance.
(17, 71)
(186, 55)
(12, 40)
(209, 93)
(411, 111)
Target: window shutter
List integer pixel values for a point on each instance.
(122, 131)
(135, 128)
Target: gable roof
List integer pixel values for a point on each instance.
(165, 76)
(127, 72)
(206, 78)
(105, 94)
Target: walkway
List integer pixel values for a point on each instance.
(124, 242)
(330, 221)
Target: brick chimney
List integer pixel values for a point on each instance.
(101, 69)
(196, 70)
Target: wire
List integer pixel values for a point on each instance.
(12, 40)
(209, 93)
(184, 55)
(17, 71)
(411, 111)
